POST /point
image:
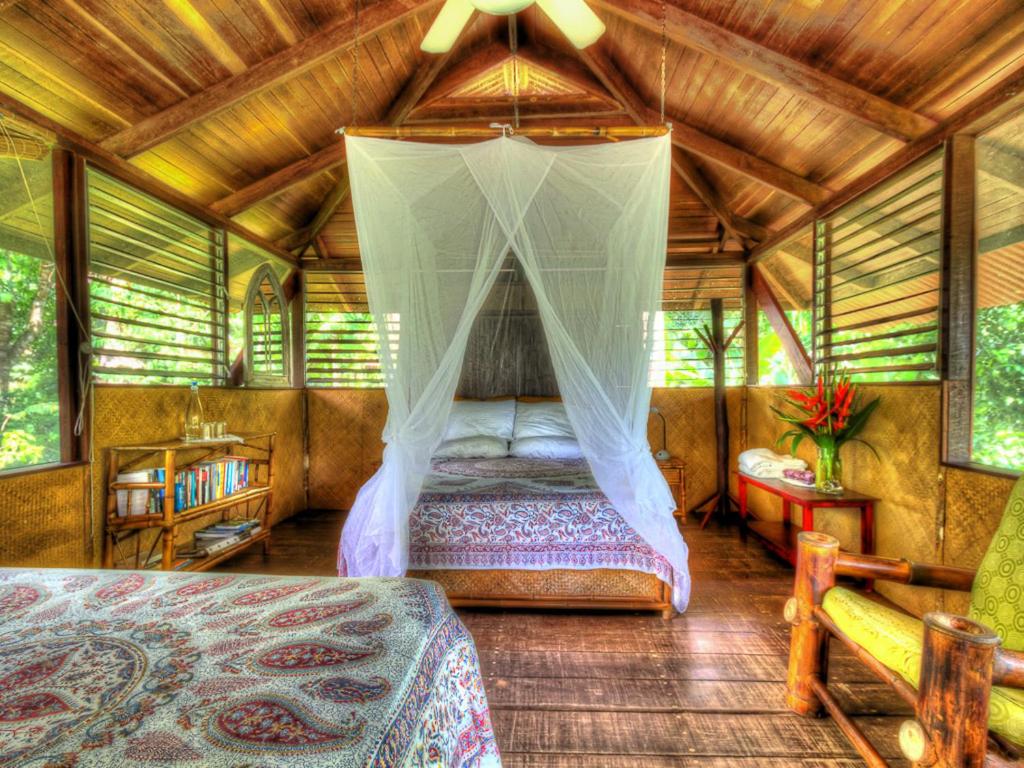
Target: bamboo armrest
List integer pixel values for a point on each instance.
(904, 571)
(1008, 669)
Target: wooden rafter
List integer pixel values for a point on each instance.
(748, 56)
(682, 164)
(700, 143)
(407, 99)
(280, 180)
(988, 109)
(295, 59)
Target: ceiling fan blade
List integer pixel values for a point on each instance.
(576, 20)
(446, 27)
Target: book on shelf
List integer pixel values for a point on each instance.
(210, 481)
(204, 547)
(143, 501)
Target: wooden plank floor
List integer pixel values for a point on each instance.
(611, 690)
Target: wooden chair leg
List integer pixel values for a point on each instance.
(815, 575)
(951, 729)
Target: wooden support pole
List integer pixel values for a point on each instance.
(958, 278)
(951, 730)
(808, 651)
(721, 409)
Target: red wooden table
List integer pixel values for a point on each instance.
(780, 537)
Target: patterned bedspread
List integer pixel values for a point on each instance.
(106, 668)
(525, 514)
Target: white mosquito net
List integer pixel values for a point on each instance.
(588, 225)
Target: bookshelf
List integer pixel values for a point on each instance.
(180, 486)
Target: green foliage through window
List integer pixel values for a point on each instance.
(998, 425)
(29, 411)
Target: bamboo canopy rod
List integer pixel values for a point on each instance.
(612, 132)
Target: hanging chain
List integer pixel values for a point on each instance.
(664, 49)
(355, 66)
(513, 43)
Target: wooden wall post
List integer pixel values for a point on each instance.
(791, 343)
(751, 353)
(958, 277)
(951, 730)
(808, 651)
(721, 410)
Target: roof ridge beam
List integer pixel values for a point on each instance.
(293, 60)
(753, 58)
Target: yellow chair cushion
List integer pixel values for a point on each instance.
(895, 639)
(996, 600)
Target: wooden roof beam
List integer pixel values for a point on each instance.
(682, 164)
(422, 78)
(293, 60)
(753, 58)
(136, 177)
(988, 109)
(334, 154)
(280, 180)
(700, 143)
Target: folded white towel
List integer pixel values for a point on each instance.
(762, 462)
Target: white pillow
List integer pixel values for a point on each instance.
(546, 448)
(544, 419)
(478, 447)
(472, 418)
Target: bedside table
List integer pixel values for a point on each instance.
(673, 471)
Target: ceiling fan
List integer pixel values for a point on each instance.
(574, 17)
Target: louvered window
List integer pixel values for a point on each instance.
(876, 279)
(680, 358)
(157, 290)
(341, 338)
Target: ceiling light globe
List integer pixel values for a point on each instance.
(501, 7)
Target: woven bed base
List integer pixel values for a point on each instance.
(559, 588)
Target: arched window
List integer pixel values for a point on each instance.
(266, 330)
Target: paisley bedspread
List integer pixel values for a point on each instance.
(528, 514)
(115, 668)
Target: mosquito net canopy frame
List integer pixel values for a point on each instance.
(588, 224)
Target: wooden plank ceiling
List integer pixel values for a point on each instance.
(775, 104)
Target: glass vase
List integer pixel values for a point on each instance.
(828, 474)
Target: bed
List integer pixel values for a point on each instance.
(101, 668)
(520, 532)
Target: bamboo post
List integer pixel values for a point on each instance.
(808, 650)
(951, 729)
(168, 532)
(108, 537)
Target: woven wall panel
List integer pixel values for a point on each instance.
(905, 431)
(126, 415)
(974, 507)
(690, 412)
(598, 583)
(345, 426)
(45, 519)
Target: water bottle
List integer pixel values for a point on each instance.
(194, 415)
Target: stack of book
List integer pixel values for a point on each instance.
(220, 536)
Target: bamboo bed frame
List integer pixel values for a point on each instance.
(596, 589)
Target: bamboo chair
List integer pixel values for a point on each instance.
(962, 675)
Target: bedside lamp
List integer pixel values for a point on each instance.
(663, 454)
